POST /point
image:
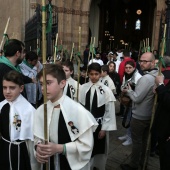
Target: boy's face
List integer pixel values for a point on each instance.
(83, 73)
(103, 73)
(54, 90)
(67, 72)
(94, 76)
(33, 63)
(11, 90)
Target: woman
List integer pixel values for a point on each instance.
(114, 76)
(131, 78)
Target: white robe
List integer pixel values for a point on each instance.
(109, 83)
(73, 88)
(109, 119)
(99, 61)
(25, 110)
(80, 148)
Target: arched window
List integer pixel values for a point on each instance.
(138, 25)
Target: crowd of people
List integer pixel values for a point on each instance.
(81, 112)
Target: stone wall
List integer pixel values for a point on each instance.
(72, 14)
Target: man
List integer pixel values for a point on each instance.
(96, 59)
(86, 55)
(143, 98)
(161, 123)
(30, 67)
(14, 54)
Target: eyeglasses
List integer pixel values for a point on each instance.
(144, 61)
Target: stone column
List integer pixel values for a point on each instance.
(168, 27)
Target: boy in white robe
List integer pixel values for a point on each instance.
(70, 127)
(16, 126)
(99, 100)
(70, 88)
(106, 80)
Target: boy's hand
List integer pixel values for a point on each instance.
(102, 134)
(44, 152)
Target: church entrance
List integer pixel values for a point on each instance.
(121, 23)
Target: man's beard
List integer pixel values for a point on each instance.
(19, 60)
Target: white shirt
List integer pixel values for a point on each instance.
(96, 61)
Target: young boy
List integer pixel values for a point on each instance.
(16, 126)
(106, 80)
(71, 85)
(99, 100)
(83, 77)
(70, 126)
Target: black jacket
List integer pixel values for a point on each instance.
(162, 115)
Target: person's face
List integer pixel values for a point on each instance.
(20, 56)
(129, 69)
(98, 56)
(33, 63)
(103, 73)
(146, 62)
(83, 73)
(67, 72)
(11, 90)
(111, 67)
(94, 76)
(54, 89)
(114, 56)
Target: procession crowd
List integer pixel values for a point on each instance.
(70, 129)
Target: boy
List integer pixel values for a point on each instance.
(99, 100)
(16, 121)
(70, 126)
(71, 85)
(83, 77)
(106, 80)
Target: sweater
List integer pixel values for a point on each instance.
(143, 96)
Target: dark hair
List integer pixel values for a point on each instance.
(31, 56)
(105, 68)
(12, 46)
(132, 63)
(54, 70)
(68, 64)
(112, 62)
(126, 52)
(14, 77)
(94, 66)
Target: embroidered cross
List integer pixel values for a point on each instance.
(106, 83)
(72, 89)
(101, 90)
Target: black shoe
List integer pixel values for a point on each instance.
(127, 167)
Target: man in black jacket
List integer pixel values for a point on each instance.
(14, 54)
(162, 122)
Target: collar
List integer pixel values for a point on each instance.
(56, 103)
(26, 63)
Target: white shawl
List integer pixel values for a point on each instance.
(103, 98)
(25, 110)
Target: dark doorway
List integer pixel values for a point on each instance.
(119, 17)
